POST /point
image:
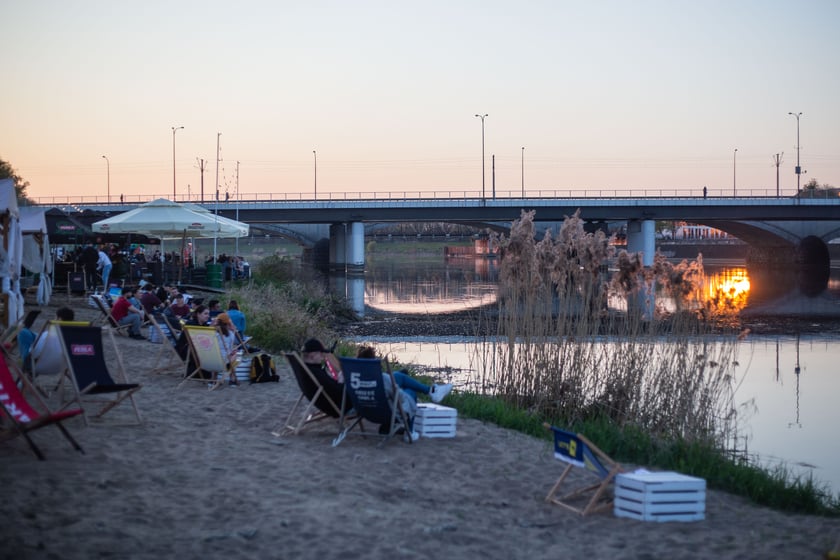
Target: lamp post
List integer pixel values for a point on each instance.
(174, 129)
(734, 155)
(798, 167)
(523, 171)
(216, 219)
(315, 157)
(482, 152)
(108, 167)
(236, 250)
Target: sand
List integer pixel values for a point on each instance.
(203, 477)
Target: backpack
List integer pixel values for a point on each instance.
(262, 369)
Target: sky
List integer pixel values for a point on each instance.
(605, 96)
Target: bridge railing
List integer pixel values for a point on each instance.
(437, 194)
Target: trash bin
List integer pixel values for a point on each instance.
(214, 275)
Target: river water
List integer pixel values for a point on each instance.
(787, 375)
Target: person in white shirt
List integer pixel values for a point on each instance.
(104, 264)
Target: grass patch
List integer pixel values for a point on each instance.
(774, 488)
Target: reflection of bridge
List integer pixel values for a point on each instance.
(772, 226)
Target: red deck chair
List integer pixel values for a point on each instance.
(23, 418)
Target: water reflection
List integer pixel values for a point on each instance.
(429, 284)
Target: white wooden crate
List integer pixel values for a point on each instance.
(660, 496)
(435, 421)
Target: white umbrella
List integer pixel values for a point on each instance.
(166, 219)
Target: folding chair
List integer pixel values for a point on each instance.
(577, 451)
(167, 347)
(10, 334)
(321, 393)
(207, 356)
(107, 319)
(372, 399)
(23, 418)
(86, 366)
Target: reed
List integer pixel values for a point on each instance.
(573, 344)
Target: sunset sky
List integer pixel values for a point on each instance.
(603, 95)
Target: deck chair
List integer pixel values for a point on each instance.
(577, 451)
(322, 394)
(372, 399)
(10, 334)
(86, 367)
(24, 418)
(107, 319)
(171, 357)
(207, 356)
(46, 359)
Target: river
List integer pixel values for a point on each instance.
(787, 374)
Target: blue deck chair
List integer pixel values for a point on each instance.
(84, 354)
(324, 396)
(577, 451)
(23, 417)
(160, 329)
(372, 399)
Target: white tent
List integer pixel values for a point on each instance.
(11, 249)
(37, 257)
(165, 219)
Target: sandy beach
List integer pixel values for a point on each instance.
(203, 477)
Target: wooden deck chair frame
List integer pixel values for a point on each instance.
(207, 353)
(365, 388)
(24, 418)
(21, 416)
(10, 334)
(577, 451)
(167, 348)
(107, 319)
(88, 372)
(319, 405)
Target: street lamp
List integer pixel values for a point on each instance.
(174, 128)
(798, 167)
(523, 171)
(315, 156)
(108, 164)
(482, 152)
(734, 154)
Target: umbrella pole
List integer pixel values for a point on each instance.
(181, 256)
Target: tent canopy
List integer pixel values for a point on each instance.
(167, 220)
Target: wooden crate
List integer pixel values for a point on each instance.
(660, 496)
(435, 421)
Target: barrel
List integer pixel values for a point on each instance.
(214, 275)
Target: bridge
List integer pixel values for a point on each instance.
(775, 227)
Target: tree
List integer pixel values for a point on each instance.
(8, 172)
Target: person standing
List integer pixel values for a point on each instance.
(104, 264)
(89, 258)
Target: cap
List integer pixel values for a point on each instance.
(313, 345)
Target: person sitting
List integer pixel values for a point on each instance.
(228, 341)
(125, 313)
(200, 316)
(236, 317)
(436, 392)
(150, 302)
(214, 306)
(178, 308)
(317, 358)
(45, 355)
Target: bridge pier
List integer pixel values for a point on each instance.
(356, 248)
(338, 247)
(641, 238)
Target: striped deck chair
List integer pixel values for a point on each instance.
(171, 357)
(23, 417)
(577, 451)
(84, 353)
(322, 394)
(207, 356)
(373, 400)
